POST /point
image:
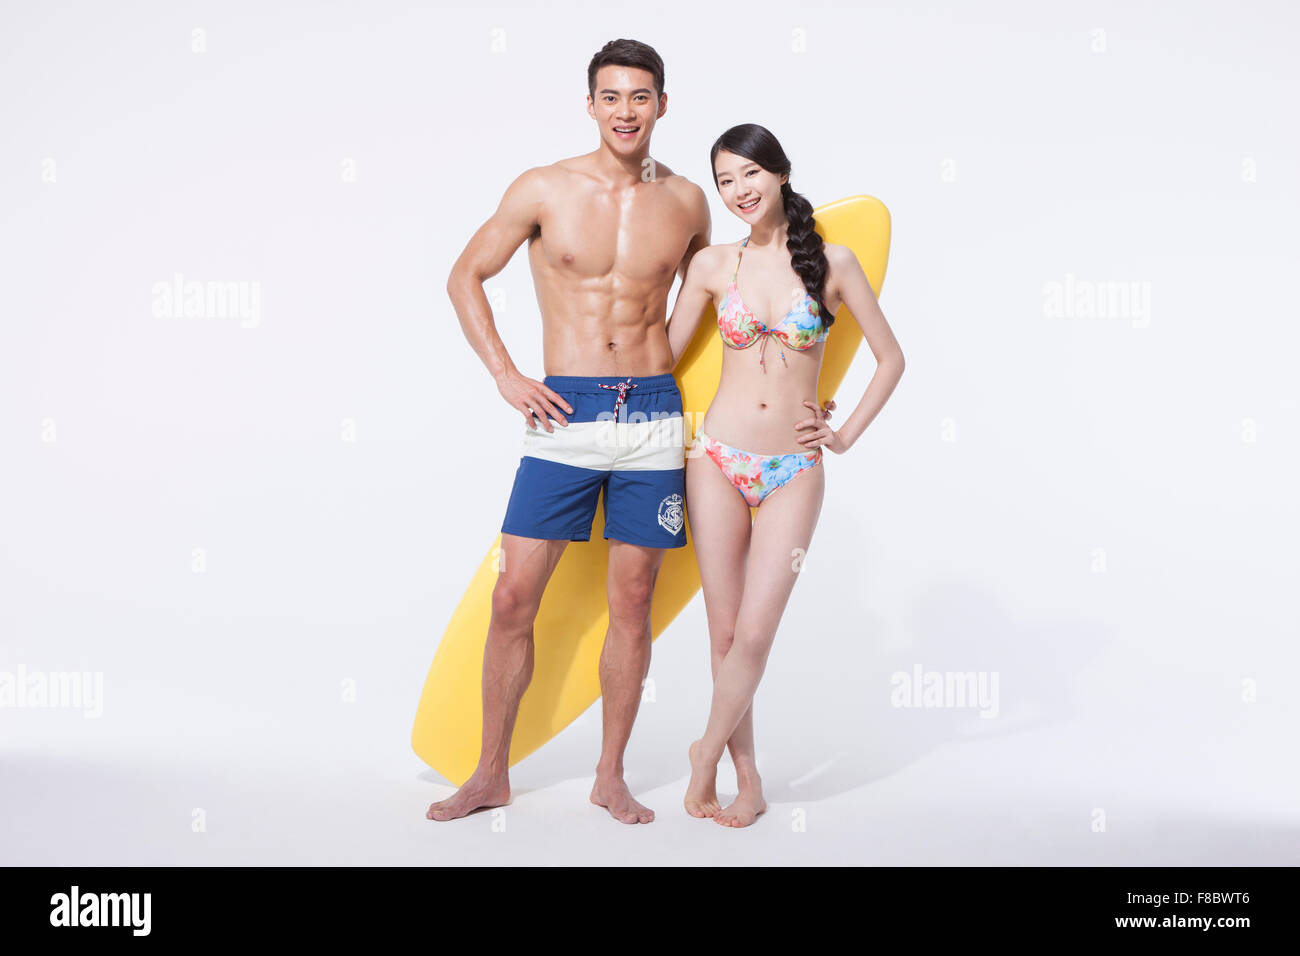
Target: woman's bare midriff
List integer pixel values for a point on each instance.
(757, 411)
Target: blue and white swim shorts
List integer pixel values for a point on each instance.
(624, 435)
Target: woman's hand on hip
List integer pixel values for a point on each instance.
(819, 433)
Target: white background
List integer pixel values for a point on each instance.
(1099, 510)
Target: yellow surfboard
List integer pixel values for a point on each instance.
(571, 623)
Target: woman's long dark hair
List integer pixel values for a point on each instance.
(807, 252)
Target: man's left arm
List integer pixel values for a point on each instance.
(701, 226)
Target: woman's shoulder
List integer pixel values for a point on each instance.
(722, 248)
(835, 252)
(724, 253)
(708, 267)
(840, 261)
(714, 257)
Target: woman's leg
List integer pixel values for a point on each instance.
(782, 530)
(719, 520)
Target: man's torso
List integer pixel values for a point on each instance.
(603, 261)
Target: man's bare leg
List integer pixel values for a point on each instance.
(526, 567)
(624, 664)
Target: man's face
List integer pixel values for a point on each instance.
(625, 107)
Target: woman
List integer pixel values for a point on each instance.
(757, 446)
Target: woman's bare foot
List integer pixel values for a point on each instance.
(701, 793)
(742, 811)
(612, 794)
(475, 793)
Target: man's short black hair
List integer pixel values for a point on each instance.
(627, 53)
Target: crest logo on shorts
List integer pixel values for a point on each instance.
(671, 516)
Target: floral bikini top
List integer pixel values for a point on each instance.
(801, 328)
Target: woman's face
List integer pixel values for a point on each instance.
(749, 190)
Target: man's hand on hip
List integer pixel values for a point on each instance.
(533, 399)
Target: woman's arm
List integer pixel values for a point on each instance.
(692, 299)
(846, 276)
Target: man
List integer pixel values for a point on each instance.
(607, 231)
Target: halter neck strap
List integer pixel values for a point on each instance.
(736, 271)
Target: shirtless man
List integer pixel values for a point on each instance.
(607, 232)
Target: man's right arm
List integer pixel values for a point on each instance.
(486, 254)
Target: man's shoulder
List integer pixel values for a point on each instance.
(545, 173)
(532, 185)
(562, 177)
(581, 165)
(539, 186)
(690, 196)
(684, 187)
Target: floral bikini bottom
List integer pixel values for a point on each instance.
(756, 476)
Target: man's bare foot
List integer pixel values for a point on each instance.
(612, 794)
(701, 793)
(475, 793)
(742, 811)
